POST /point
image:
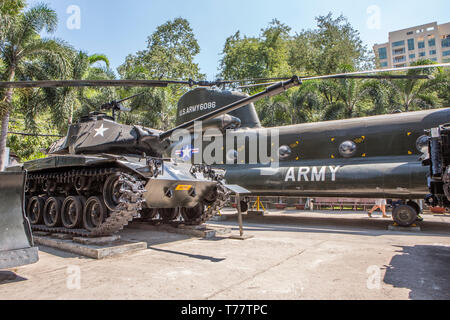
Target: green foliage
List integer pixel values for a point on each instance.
(250, 57)
(418, 94)
(11, 7)
(21, 47)
(30, 147)
(334, 46)
(170, 54)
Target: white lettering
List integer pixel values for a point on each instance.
(290, 175)
(303, 171)
(318, 176)
(333, 172)
(311, 173)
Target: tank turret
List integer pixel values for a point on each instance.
(99, 133)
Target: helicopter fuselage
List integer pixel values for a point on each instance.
(370, 157)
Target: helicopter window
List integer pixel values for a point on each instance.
(347, 149)
(284, 152)
(422, 144)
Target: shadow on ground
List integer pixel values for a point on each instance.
(194, 256)
(424, 269)
(357, 226)
(9, 277)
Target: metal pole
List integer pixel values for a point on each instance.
(238, 206)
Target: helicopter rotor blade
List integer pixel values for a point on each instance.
(90, 83)
(369, 74)
(219, 82)
(35, 134)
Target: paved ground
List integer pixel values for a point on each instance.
(293, 255)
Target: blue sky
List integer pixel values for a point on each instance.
(118, 28)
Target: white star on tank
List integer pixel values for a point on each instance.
(100, 131)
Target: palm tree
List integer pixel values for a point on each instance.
(20, 44)
(416, 94)
(345, 96)
(65, 101)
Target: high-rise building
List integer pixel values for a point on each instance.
(428, 41)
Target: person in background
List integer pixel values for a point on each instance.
(379, 204)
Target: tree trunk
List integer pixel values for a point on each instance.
(70, 115)
(5, 123)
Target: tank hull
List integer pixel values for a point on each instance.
(96, 195)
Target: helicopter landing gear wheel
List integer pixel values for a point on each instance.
(72, 212)
(416, 207)
(404, 215)
(94, 213)
(168, 214)
(35, 210)
(52, 212)
(190, 214)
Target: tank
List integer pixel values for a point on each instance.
(104, 174)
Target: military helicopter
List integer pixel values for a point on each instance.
(366, 157)
(370, 157)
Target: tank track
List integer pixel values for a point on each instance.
(213, 208)
(130, 200)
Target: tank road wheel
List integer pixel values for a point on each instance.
(111, 191)
(35, 209)
(404, 215)
(52, 212)
(168, 214)
(94, 213)
(72, 212)
(190, 214)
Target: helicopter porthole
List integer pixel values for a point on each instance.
(422, 144)
(232, 155)
(284, 152)
(347, 149)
